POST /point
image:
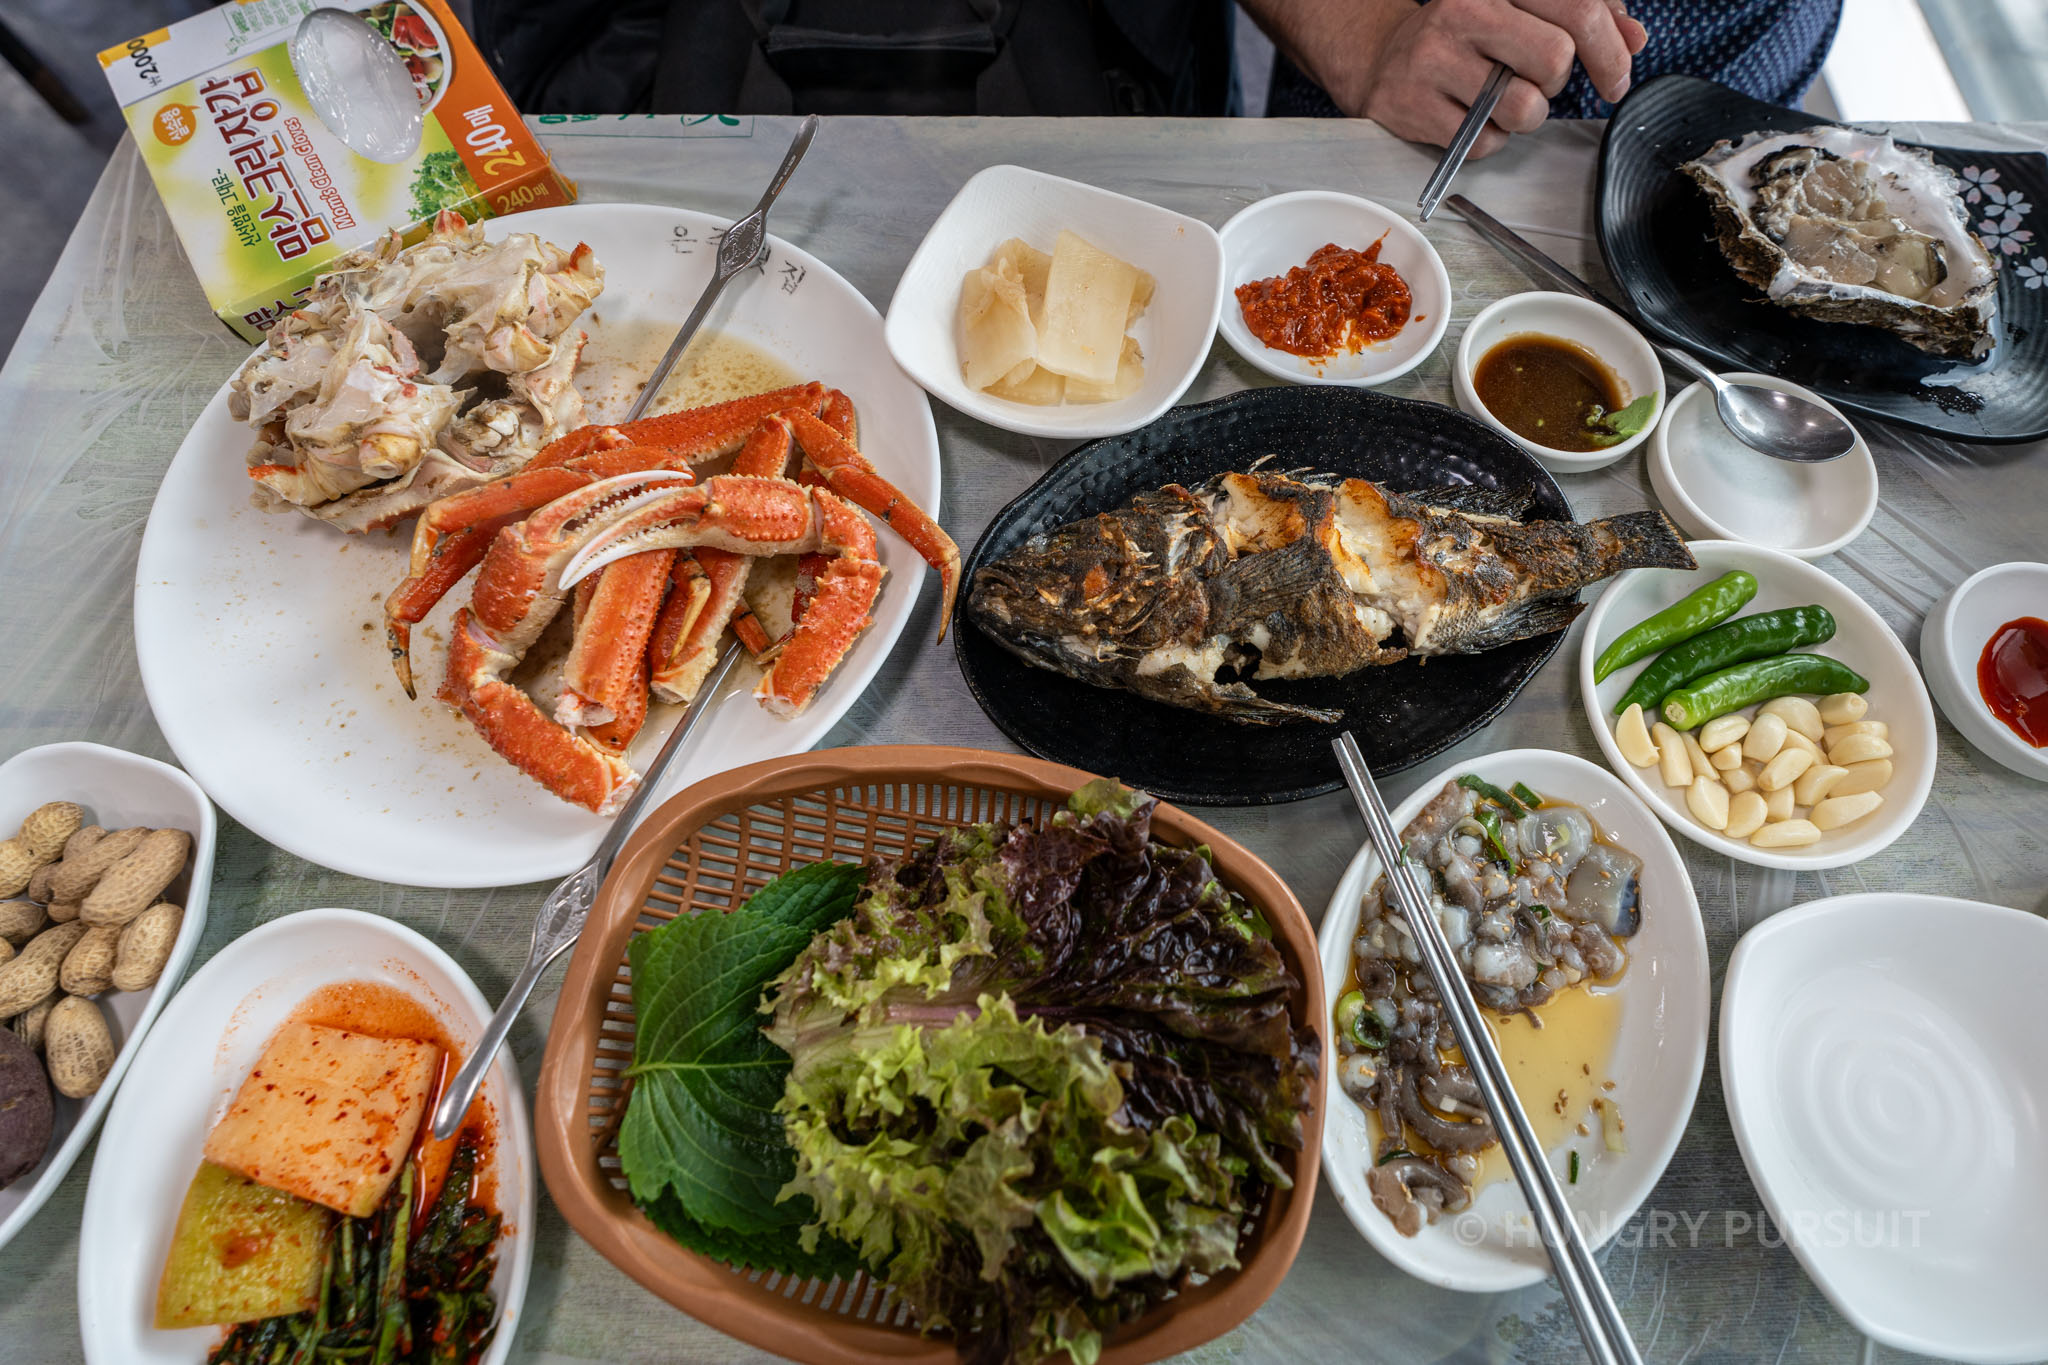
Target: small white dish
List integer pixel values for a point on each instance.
(1717, 488)
(1277, 234)
(118, 789)
(1952, 640)
(1660, 1048)
(1891, 1104)
(189, 1071)
(1862, 641)
(1597, 328)
(1181, 253)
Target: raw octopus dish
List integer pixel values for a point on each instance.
(361, 424)
(1275, 576)
(1533, 902)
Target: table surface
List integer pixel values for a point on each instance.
(121, 353)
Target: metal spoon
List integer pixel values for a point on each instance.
(1781, 425)
(562, 915)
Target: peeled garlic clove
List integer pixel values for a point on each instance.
(1746, 815)
(1837, 811)
(1671, 755)
(1779, 804)
(1836, 733)
(1785, 769)
(1813, 784)
(1632, 737)
(1863, 777)
(1842, 708)
(1858, 749)
(1726, 758)
(1722, 731)
(1786, 834)
(1798, 713)
(1766, 736)
(1708, 802)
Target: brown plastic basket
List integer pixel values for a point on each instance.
(714, 844)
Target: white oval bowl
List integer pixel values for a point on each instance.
(118, 789)
(1660, 1048)
(1952, 639)
(1719, 489)
(1182, 254)
(1891, 1104)
(1594, 326)
(1277, 234)
(1862, 641)
(188, 1073)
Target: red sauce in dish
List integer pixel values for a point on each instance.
(1342, 300)
(2012, 676)
(382, 1011)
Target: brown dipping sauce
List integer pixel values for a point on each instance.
(2012, 677)
(1542, 388)
(1342, 300)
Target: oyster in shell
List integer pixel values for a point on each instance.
(1848, 226)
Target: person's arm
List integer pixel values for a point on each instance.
(1415, 69)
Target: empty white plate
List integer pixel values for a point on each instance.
(1716, 487)
(1882, 1059)
(1660, 1048)
(1277, 234)
(1181, 253)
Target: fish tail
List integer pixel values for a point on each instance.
(1639, 540)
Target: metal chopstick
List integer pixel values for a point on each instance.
(1600, 1323)
(1461, 141)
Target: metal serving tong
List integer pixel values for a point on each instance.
(1607, 1337)
(1454, 155)
(562, 914)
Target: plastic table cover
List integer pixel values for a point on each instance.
(121, 353)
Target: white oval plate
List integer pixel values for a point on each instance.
(189, 1071)
(1180, 253)
(1660, 1048)
(1891, 1103)
(118, 789)
(260, 634)
(1952, 640)
(1716, 487)
(1276, 234)
(1862, 641)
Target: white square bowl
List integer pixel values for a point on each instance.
(1183, 254)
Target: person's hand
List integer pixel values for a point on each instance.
(1417, 75)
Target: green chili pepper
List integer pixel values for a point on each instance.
(1527, 797)
(1488, 792)
(1575, 1168)
(1349, 1005)
(1541, 912)
(1683, 619)
(1394, 1155)
(1758, 680)
(1747, 637)
(1490, 822)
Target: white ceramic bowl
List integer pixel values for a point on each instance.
(1862, 641)
(189, 1071)
(1599, 329)
(1181, 253)
(118, 789)
(1277, 234)
(1719, 489)
(1952, 639)
(1890, 1099)
(1660, 1048)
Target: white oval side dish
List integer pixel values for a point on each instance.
(1274, 235)
(1716, 487)
(1891, 1104)
(189, 1071)
(1594, 326)
(1952, 639)
(1660, 1047)
(1182, 255)
(117, 789)
(1862, 641)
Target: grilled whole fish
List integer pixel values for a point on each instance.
(1279, 577)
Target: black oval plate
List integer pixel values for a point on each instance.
(1656, 238)
(1401, 714)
